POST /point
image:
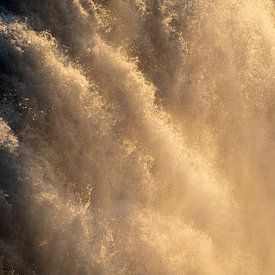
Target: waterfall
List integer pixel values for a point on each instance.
(137, 137)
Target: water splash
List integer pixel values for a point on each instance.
(136, 137)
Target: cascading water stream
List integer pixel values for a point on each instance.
(137, 137)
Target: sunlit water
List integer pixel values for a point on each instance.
(137, 137)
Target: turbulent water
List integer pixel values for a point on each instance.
(137, 137)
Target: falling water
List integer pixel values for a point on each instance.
(137, 137)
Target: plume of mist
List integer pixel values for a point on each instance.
(137, 137)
